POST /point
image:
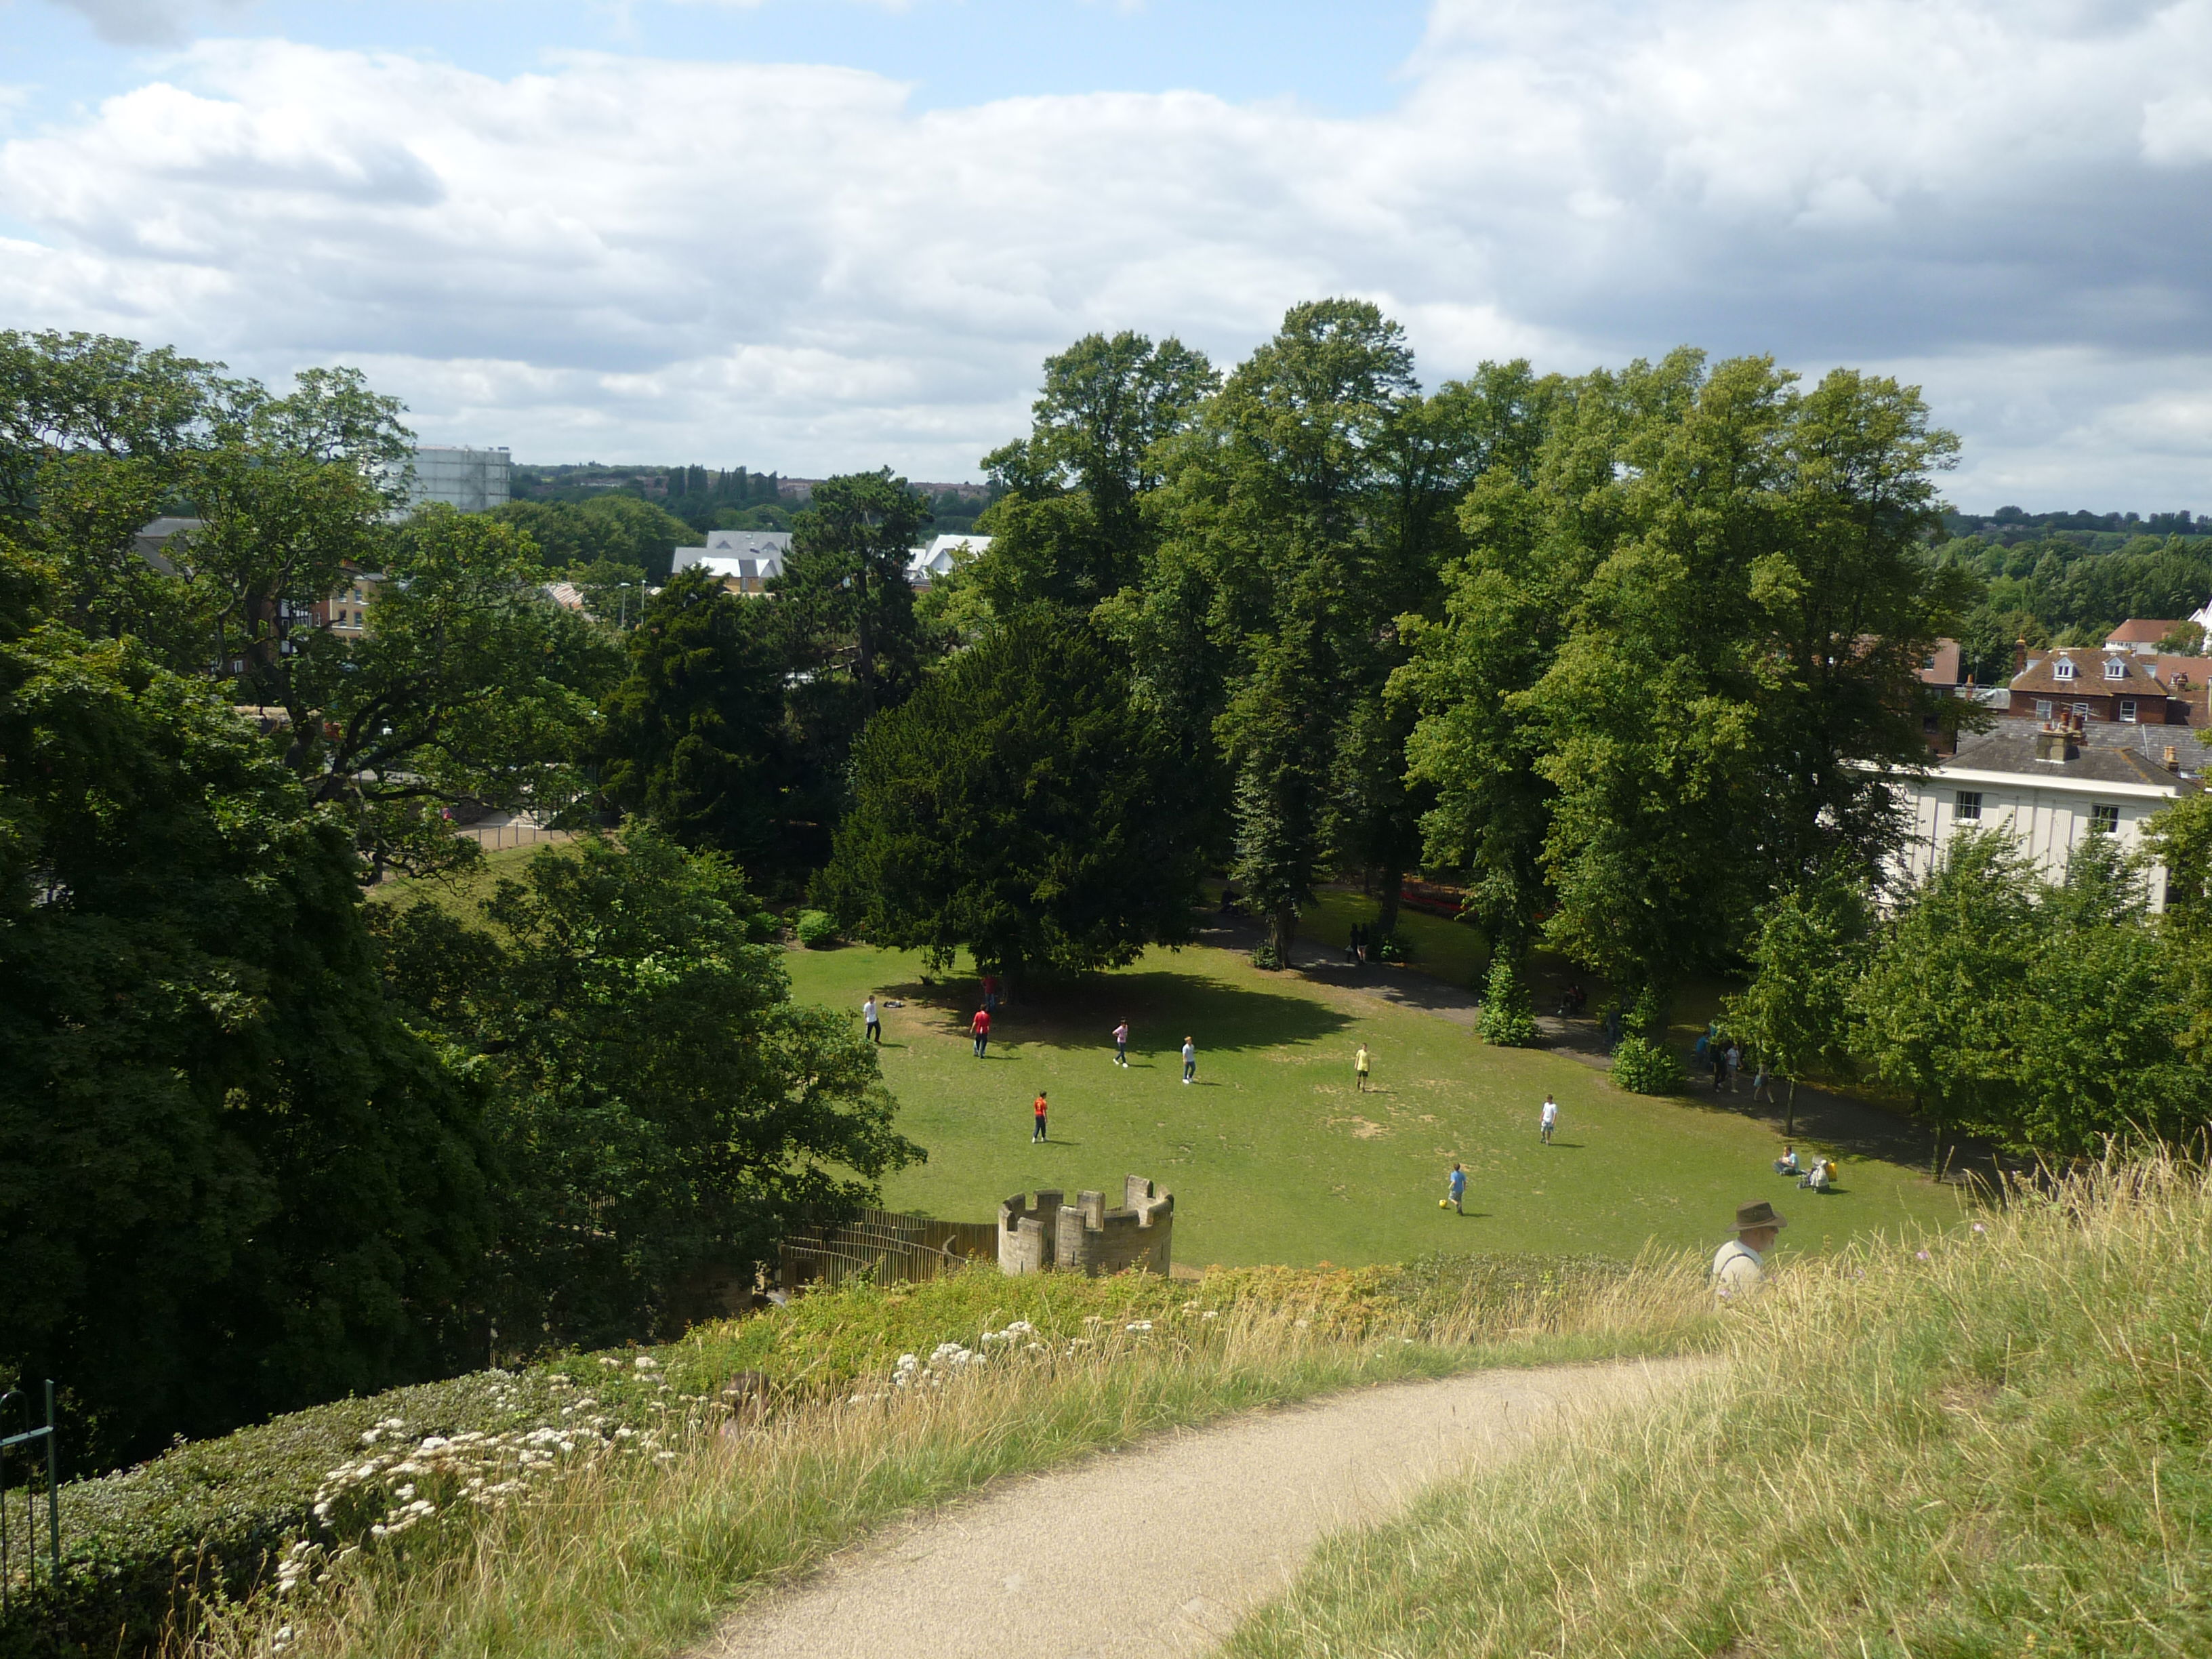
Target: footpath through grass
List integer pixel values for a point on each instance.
(619, 1557)
(1272, 1156)
(1994, 1442)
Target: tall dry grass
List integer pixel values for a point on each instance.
(621, 1558)
(1996, 1440)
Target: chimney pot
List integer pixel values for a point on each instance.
(2019, 655)
(2172, 759)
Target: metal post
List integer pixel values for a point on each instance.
(53, 1488)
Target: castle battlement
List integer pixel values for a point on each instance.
(1086, 1236)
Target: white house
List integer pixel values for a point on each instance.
(924, 564)
(747, 560)
(2049, 789)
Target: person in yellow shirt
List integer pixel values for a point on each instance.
(1359, 1068)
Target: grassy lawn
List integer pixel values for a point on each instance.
(1272, 1155)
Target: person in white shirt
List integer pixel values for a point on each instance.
(1548, 1119)
(1189, 1059)
(1740, 1264)
(872, 1020)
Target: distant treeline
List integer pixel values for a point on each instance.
(2008, 525)
(2068, 579)
(708, 498)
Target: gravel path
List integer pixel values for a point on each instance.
(1161, 1548)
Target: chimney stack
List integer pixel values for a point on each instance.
(2019, 655)
(2172, 759)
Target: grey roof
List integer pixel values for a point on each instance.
(2003, 751)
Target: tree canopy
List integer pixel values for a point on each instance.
(1021, 804)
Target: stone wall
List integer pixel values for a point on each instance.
(1086, 1236)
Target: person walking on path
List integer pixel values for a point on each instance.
(1547, 1120)
(871, 1020)
(1734, 1058)
(1359, 1068)
(981, 1027)
(1456, 1183)
(1740, 1264)
(1038, 1134)
(990, 993)
(1762, 1083)
(1189, 1059)
(1121, 1045)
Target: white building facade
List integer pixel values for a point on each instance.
(2047, 790)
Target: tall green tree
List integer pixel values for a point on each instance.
(1068, 528)
(693, 736)
(468, 683)
(661, 1111)
(1272, 538)
(232, 1182)
(1812, 947)
(844, 590)
(1022, 805)
(1936, 1010)
(1673, 648)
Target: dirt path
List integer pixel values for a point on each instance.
(1161, 1548)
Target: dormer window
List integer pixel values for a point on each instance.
(2115, 669)
(2061, 669)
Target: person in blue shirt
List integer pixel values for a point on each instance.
(1457, 1183)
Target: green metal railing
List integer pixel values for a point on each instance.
(21, 1445)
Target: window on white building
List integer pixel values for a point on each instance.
(1967, 806)
(2103, 820)
(2127, 709)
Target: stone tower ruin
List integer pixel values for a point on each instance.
(1086, 1236)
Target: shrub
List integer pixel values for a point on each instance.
(1265, 955)
(816, 929)
(1645, 1067)
(1394, 946)
(1506, 1020)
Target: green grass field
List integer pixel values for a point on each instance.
(1274, 1156)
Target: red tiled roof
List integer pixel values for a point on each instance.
(2140, 630)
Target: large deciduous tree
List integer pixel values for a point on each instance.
(1679, 635)
(661, 1111)
(1024, 806)
(468, 683)
(231, 1181)
(1069, 529)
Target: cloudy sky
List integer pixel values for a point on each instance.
(822, 235)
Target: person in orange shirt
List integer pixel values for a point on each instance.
(1038, 1134)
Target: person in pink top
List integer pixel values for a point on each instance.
(981, 1026)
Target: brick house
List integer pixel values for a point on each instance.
(2107, 682)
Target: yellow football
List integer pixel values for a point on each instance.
(1444, 1204)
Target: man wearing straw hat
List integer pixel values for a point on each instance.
(1740, 1264)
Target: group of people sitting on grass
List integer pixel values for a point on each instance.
(1820, 1178)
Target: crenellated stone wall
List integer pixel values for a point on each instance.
(1086, 1236)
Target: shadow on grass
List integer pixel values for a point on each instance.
(1163, 1005)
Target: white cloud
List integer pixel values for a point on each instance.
(791, 266)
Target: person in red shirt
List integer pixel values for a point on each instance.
(981, 1028)
(1038, 1134)
(990, 993)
